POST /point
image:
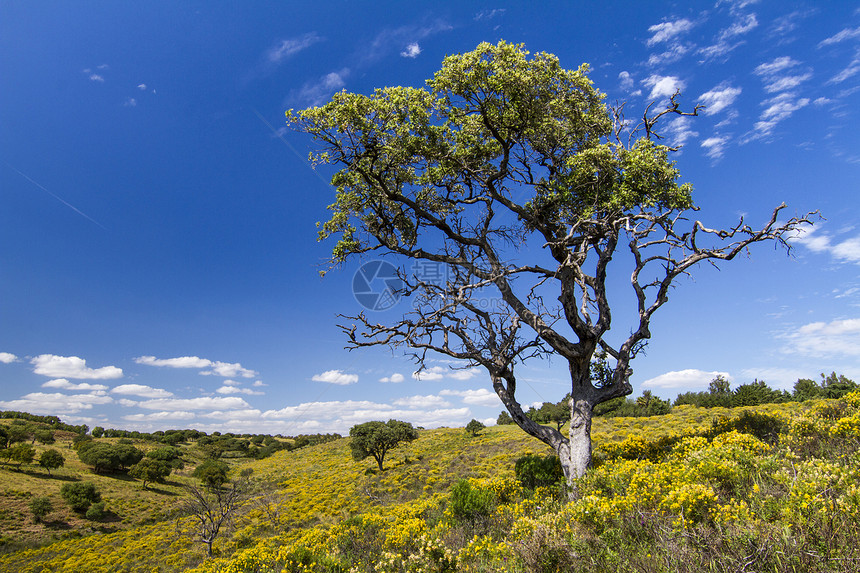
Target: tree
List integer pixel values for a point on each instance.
(504, 419)
(510, 173)
(97, 432)
(44, 436)
(377, 438)
(149, 470)
(213, 509)
(212, 473)
(22, 454)
(51, 460)
(474, 427)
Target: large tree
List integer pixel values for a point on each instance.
(378, 438)
(509, 172)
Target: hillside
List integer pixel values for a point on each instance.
(672, 492)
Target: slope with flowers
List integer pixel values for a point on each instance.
(696, 490)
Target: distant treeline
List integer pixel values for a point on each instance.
(214, 445)
(719, 394)
(53, 421)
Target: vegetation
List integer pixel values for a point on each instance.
(378, 438)
(500, 155)
(474, 427)
(51, 460)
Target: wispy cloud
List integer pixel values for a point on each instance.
(393, 39)
(395, 378)
(55, 403)
(718, 98)
(72, 367)
(63, 384)
(684, 380)
(850, 71)
(208, 367)
(667, 31)
(284, 49)
(489, 14)
(781, 74)
(317, 92)
(480, 397)
(845, 250)
(825, 339)
(715, 146)
(841, 36)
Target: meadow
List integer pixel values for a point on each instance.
(767, 488)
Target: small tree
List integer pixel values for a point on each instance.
(504, 419)
(474, 427)
(44, 436)
(149, 470)
(40, 507)
(80, 495)
(22, 454)
(212, 473)
(213, 509)
(377, 438)
(51, 460)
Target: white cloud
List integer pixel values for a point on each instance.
(233, 389)
(850, 71)
(715, 146)
(679, 129)
(160, 416)
(96, 78)
(229, 370)
(778, 109)
(718, 98)
(141, 87)
(63, 384)
(489, 14)
(825, 339)
(180, 362)
(625, 80)
(335, 377)
(7, 358)
(666, 31)
(316, 93)
(841, 36)
(412, 50)
(776, 77)
(663, 86)
(141, 390)
(203, 403)
(480, 397)
(468, 374)
(743, 25)
(433, 373)
(847, 250)
(42, 403)
(258, 384)
(421, 402)
(216, 368)
(71, 367)
(130, 102)
(394, 378)
(691, 380)
(673, 54)
(393, 39)
(286, 48)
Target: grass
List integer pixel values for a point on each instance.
(318, 507)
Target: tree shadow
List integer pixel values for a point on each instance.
(59, 477)
(161, 491)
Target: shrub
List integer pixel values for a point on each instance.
(213, 473)
(40, 506)
(96, 511)
(474, 427)
(535, 471)
(80, 495)
(470, 503)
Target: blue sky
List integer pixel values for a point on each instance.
(158, 258)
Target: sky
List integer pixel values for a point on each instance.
(159, 262)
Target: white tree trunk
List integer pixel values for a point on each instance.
(576, 455)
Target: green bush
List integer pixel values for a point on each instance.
(534, 471)
(40, 506)
(470, 503)
(96, 511)
(80, 495)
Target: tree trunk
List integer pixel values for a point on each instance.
(575, 456)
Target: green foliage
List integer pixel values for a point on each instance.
(96, 511)
(474, 427)
(149, 470)
(504, 419)
(470, 503)
(97, 432)
(44, 436)
(40, 507)
(378, 438)
(538, 471)
(644, 406)
(21, 454)
(80, 495)
(762, 426)
(103, 456)
(51, 460)
(212, 473)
